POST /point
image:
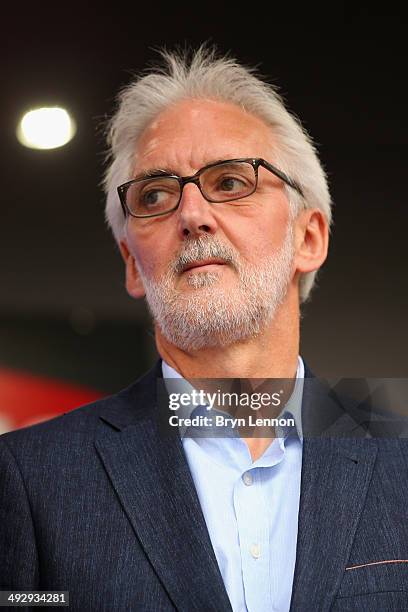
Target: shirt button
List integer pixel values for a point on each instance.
(255, 551)
(247, 478)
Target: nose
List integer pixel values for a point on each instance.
(195, 214)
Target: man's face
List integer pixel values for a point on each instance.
(245, 248)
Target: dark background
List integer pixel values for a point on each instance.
(63, 307)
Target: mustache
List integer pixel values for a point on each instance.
(203, 247)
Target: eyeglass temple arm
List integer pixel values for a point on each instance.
(285, 178)
(121, 199)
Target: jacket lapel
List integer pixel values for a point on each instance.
(336, 470)
(150, 474)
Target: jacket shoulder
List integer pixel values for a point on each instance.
(81, 422)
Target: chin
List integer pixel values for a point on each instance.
(202, 280)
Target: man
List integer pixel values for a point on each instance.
(222, 220)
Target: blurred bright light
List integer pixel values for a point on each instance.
(46, 128)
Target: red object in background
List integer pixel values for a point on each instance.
(26, 399)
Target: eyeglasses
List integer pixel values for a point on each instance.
(224, 181)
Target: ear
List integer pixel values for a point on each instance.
(134, 284)
(311, 240)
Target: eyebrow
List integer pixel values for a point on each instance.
(152, 172)
(164, 171)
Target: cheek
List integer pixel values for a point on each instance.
(152, 254)
(267, 237)
(150, 260)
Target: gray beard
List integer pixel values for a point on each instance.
(212, 315)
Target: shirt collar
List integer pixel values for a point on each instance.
(293, 407)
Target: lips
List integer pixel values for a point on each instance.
(203, 262)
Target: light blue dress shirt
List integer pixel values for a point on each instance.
(251, 508)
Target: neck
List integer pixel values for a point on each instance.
(271, 354)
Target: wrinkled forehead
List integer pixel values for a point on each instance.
(192, 133)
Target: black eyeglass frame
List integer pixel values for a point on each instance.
(195, 178)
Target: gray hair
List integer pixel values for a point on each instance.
(204, 74)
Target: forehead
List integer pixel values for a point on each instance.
(192, 133)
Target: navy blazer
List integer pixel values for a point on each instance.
(100, 503)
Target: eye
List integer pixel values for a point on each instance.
(157, 195)
(230, 183)
(153, 197)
